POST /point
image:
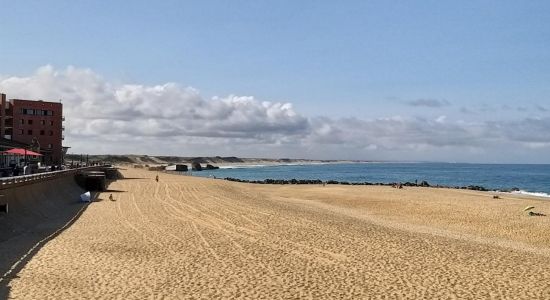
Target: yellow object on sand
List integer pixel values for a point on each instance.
(528, 208)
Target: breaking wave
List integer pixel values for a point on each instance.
(538, 194)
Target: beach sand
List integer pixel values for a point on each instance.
(197, 238)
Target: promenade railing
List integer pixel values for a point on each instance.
(14, 181)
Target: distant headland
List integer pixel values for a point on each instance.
(169, 160)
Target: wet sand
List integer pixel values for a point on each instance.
(193, 238)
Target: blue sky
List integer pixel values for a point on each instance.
(474, 62)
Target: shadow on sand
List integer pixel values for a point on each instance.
(114, 191)
(37, 214)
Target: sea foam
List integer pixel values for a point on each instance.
(538, 194)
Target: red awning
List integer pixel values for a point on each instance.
(20, 151)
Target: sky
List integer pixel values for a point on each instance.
(455, 81)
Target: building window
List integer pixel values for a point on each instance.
(29, 122)
(21, 131)
(21, 121)
(51, 123)
(27, 111)
(29, 132)
(50, 133)
(42, 132)
(50, 146)
(42, 122)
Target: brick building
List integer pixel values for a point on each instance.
(36, 123)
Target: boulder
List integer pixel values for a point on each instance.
(196, 166)
(476, 188)
(182, 168)
(211, 167)
(424, 184)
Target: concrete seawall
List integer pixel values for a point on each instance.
(37, 205)
(30, 202)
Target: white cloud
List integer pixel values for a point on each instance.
(441, 119)
(168, 119)
(94, 107)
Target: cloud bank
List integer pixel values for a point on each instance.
(170, 119)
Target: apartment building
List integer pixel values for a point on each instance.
(36, 123)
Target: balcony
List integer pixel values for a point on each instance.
(63, 118)
(63, 137)
(63, 128)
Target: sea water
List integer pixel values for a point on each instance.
(529, 179)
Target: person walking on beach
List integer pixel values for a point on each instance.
(157, 178)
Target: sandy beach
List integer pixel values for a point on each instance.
(197, 238)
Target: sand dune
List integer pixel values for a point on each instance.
(194, 238)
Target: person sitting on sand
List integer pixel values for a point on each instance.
(111, 197)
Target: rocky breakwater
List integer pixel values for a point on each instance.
(392, 184)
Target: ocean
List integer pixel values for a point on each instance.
(529, 179)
